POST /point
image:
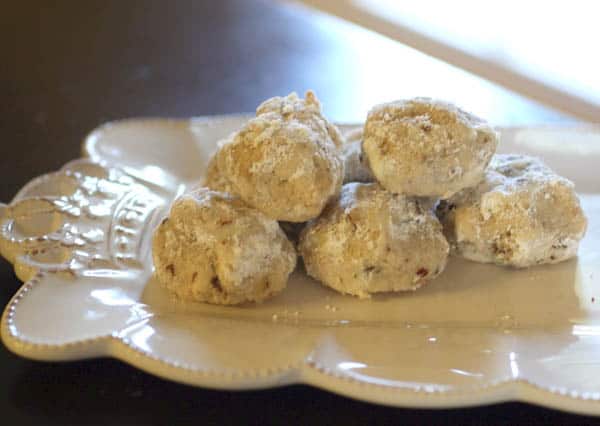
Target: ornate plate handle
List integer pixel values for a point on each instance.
(83, 219)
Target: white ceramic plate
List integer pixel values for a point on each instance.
(79, 238)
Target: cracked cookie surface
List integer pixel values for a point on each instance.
(214, 248)
(286, 161)
(427, 148)
(370, 240)
(522, 214)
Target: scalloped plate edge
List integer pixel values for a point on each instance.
(307, 372)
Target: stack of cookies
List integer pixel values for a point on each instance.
(376, 211)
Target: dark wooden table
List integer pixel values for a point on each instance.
(68, 66)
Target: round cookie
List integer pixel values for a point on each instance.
(285, 161)
(521, 214)
(213, 248)
(370, 240)
(428, 148)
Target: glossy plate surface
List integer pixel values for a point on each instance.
(80, 240)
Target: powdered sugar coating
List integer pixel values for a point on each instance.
(356, 166)
(285, 162)
(521, 214)
(213, 248)
(307, 111)
(370, 240)
(425, 147)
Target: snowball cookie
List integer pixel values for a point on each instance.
(425, 147)
(370, 240)
(522, 214)
(284, 162)
(213, 248)
(356, 166)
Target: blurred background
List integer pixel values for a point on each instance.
(96, 61)
(70, 66)
(539, 49)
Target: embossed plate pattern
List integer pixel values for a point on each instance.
(80, 240)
